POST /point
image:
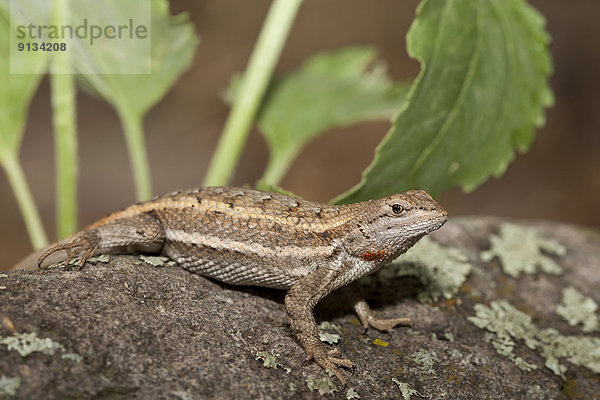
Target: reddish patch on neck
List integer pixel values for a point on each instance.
(374, 256)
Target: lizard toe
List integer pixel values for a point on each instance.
(386, 324)
(331, 363)
(333, 352)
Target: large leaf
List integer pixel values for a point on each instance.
(481, 92)
(331, 89)
(146, 72)
(16, 90)
(131, 71)
(172, 47)
(141, 52)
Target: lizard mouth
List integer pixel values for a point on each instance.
(436, 223)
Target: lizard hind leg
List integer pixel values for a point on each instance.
(84, 243)
(140, 233)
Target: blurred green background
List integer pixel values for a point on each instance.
(559, 178)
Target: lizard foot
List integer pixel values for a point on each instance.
(330, 360)
(79, 245)
(384, 324)
(368, 318)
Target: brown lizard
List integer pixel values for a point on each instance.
(252, 237)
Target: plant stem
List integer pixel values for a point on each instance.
(136, 146)
(277, 166)
(256, 78)
(30, 214)
(65, 135)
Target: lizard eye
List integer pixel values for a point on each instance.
(397, 208)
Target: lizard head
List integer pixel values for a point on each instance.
(393, 224)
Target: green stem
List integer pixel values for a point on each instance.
(277, 166)
(136, 146)
(30, 214)
(256, 78)
(65, 135)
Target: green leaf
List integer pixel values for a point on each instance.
(331, 89)
(131, 69)
(481, 92)
(172, 48)
(16, 90)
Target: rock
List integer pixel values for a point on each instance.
(126, 329)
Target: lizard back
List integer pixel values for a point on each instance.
(231, 234)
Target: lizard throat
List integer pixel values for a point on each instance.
(376, 256)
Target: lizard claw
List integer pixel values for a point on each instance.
(329, 361)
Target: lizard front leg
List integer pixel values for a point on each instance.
(299, 302)
(367, 316)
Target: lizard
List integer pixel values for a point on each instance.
(251, 237)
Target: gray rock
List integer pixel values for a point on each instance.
(126, 329)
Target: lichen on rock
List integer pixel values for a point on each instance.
(519, 250)
(508, 323)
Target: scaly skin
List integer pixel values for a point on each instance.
(252, 237)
